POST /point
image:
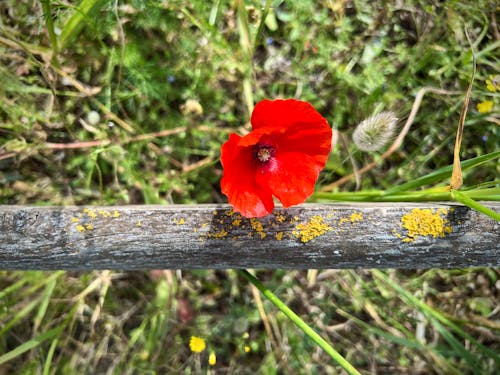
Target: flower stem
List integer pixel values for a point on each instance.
(336, 356)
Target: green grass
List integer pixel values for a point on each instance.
(138, 66)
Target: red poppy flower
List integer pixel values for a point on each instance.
(282, 156)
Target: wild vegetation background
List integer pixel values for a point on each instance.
(128, 102)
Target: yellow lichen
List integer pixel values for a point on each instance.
(89, 226)
(139, 224)
(280, 218)
(279, 236)
(218, 235)
(80, 228)
(343, 220)
(425, 222)
(90, 213)
(356, 216)
(116, 214)
(75, 220)
(316, 226)
(258, 227)
(396, 234)
(105, 213)
(180, 221)
(236, 222)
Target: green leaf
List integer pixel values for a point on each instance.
(442, 173)
(322, 343)
(82, 14)
(30, 344)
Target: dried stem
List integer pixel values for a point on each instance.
(398, 141)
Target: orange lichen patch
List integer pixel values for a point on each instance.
(279, 236)
(314, 227)
(425, 222)
(356, 216)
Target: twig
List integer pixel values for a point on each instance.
(7, 155)
(137, 138)
(199, 164)
(357, 175)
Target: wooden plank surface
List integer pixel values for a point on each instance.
(369, 235)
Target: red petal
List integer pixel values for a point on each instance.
(284, 113)
(238, 182)
(291, 177)
(313, 140)
(295, 126)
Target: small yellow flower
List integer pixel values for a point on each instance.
(212, 359)
(197, 344)
(493, 84)
(485, 107)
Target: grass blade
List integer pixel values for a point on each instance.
(49, 23)
(263, 17)
(48, 360)
(464, 199)
(76, 22)
(442, 173)
(30, 344)
(432, 313)
(49, 289)
(429, 195)
(301, 324)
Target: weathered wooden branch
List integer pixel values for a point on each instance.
(369, 235)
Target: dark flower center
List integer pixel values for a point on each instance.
(263, 152)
